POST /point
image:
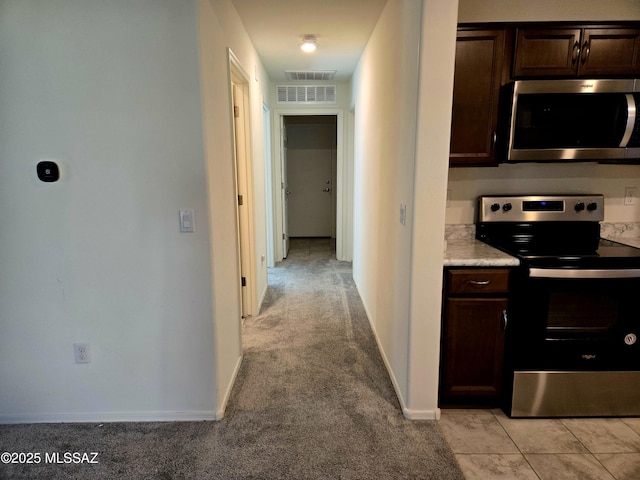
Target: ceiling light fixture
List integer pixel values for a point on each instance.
(309, 43)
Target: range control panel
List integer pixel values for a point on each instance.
(541, 208)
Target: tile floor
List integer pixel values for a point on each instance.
(311, 248)
(489, 445)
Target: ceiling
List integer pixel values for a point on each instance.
(342, 27)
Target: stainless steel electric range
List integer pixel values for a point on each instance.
(572, 344)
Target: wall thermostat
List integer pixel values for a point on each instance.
(48, 171)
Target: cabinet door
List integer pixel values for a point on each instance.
(547, 52)
(473, 347)
(610, 52)
(479, 70)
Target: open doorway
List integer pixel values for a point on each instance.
(310, 173)
(342, 183)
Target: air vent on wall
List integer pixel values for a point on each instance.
(313, 75)
(307, 94)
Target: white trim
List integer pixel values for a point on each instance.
(421, 414)
(270, 188)
(243, 168)
(236, 63)
(410, 414)
(407, 412)
(106, 417)
(219, 414)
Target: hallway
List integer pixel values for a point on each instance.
(313, 389)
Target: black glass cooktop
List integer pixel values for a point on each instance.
(563, 245)
(608, 254)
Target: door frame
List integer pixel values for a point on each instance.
(243, 170)
(343, 187)
(270, 185)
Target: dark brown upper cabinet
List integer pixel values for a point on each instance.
(577, 52)
(480, 70)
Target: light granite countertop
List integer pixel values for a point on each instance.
(474, 253)
(463, 250)
(627, 233)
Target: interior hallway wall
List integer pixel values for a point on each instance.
(111, 91)
(383, 166)
(220, 29)
(401, 161)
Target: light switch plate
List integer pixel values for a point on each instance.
(187, 221)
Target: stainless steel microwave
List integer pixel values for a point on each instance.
(574, 120)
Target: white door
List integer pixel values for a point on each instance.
(242, 185)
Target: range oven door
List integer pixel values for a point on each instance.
(565, 319)
(572, 344)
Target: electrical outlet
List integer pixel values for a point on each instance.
(630, 195)
(81, 352)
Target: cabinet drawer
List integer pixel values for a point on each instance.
(478, 281)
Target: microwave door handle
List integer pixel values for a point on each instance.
(631, 120)
(583, 273)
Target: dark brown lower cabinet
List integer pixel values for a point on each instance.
(472, 350)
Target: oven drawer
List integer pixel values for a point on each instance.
(477, 281)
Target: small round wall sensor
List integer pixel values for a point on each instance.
(48, 171)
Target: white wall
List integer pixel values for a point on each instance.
(221, 28)
(437, 54)
(402, 96)
(473, 11)
(466, 184)
(111, 91)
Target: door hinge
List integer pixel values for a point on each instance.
(244, 281)
(284, 236)
(236, 111)
(240, 200)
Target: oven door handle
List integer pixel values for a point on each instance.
(583, 273)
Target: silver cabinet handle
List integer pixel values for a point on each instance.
(505, 319)
(576, 53)
(586, 49)
(479, 283)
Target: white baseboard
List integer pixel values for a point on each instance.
(408, 413)
(223, 406)
(109, 417)
(421, 414)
